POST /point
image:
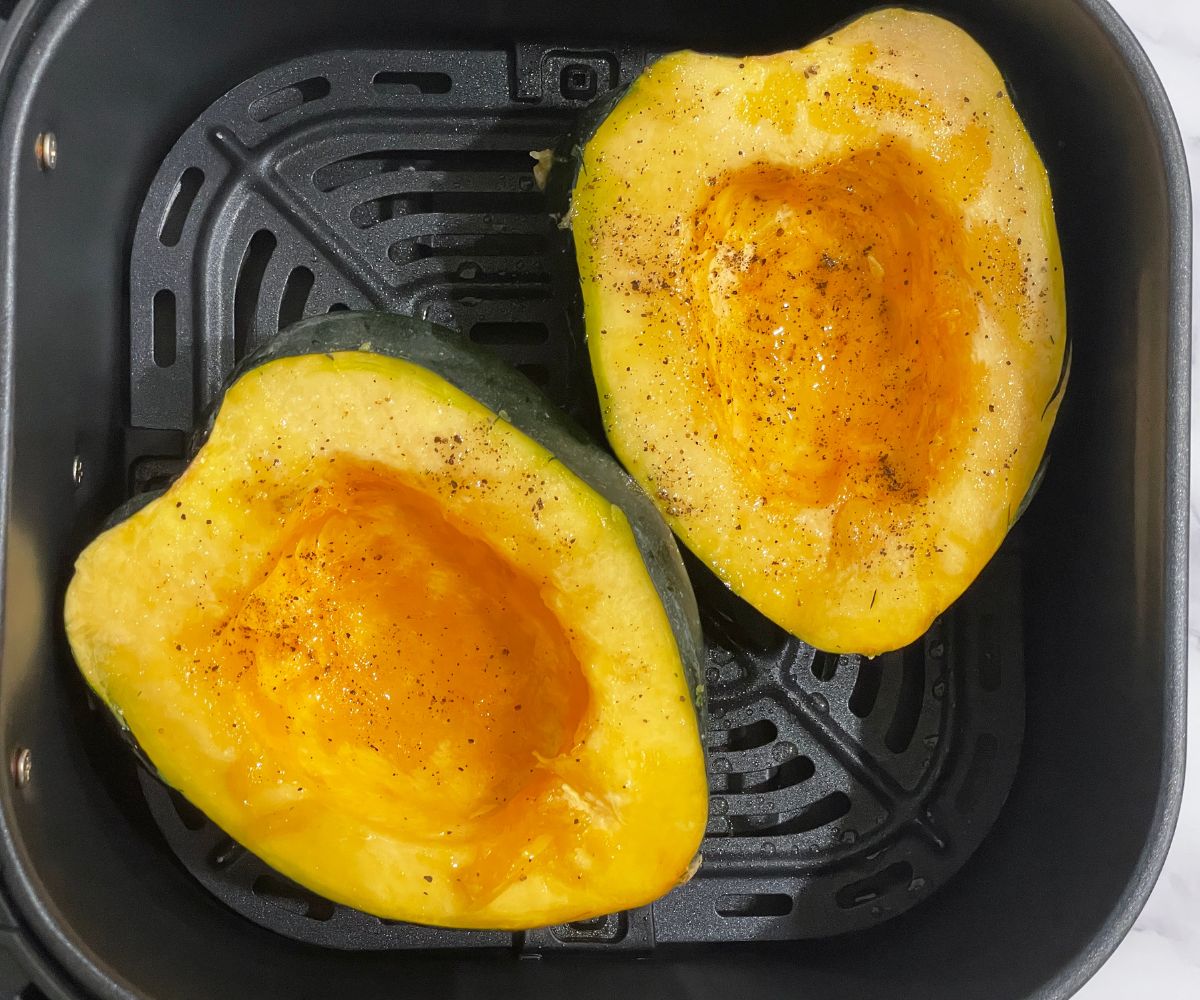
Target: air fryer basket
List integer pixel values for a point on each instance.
(375, 155)
(843, 791)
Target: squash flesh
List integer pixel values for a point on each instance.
(824, 304)
(385, 626)
(306, 672)
(830, 345)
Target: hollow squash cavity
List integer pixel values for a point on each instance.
(382, 625)
(833, 326)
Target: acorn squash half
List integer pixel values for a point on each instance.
(406, 636)
(824, 305)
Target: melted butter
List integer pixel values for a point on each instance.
(852, 105)
(385, 638)
(868, 101)
(776, 98)
(836, 337)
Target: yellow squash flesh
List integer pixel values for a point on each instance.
(388, 643)
(824, 305)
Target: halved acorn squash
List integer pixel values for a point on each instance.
(402, 633)
(824, 305)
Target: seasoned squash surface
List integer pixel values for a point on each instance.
(824, 305)
(400, 650)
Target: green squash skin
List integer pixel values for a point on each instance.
(568, 151)
(518, 401)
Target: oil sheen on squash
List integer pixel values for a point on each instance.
(389, 644)
(824, 305)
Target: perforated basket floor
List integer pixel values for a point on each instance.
(844, 789)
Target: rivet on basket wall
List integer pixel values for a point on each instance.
(22, 766)
(45, 149)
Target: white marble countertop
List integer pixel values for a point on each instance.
(1160, 959)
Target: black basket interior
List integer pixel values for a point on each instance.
(374, 153)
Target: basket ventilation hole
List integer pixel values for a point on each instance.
(287, 98)
(181, 205)
(749, 737)
(821, 813)
(598, 930)
(758, 904)
(292, 898)
(444, 165)
(866, 686)
(164, 328)
(249, 284)
(467, 245)
(867, 890)
(824, 665)
(390, 83)
(773, 779)
(912, 695)
(296, 290)
(491, 207)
